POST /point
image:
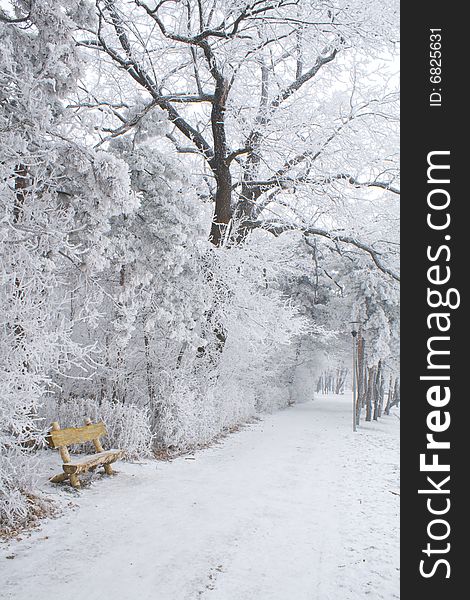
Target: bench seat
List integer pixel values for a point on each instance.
(83, 464)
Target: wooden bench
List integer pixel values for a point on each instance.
(61, 438)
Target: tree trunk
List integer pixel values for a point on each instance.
(340, 379)
(377, 379)
(381, 393)
(361, 378)
(119, 385)
(369, 393)
(319, 385)
(223, 197)
(246, 206)
(396, 393)
(220, 166)
(150, 386)
(389, 396)
(293, 370)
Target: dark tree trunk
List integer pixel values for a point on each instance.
(370, 391)
(223, 203)
(246, 206)
(220, 166)
(389, 396)
(377, 381)
(150, 386)
(396, 393)
(381, 393)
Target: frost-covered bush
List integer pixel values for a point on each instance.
(18, 487)
(250, 334)
(264, 325)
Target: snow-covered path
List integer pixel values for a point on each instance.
(295, 507)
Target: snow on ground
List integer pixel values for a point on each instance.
(295, 507)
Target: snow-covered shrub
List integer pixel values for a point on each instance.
(264, 327)
(245, 363)
(186, 416)
(18, 486)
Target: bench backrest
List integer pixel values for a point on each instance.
(75, 435)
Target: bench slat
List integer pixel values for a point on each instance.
(93, 460)
(75, 435)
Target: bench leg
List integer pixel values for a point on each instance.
(59, 478)
(108, 469)
(74, 480)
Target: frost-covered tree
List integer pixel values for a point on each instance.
(153, 288)
(56, 201)
(286, 112)
(283, 102)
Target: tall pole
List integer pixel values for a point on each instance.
(354, 398)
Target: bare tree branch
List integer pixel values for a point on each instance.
(128, 125)
(233, 155)
(385, 185)
(278, 228)
(137, 73)
(300, 81)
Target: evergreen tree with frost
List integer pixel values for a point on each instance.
(56, 201)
